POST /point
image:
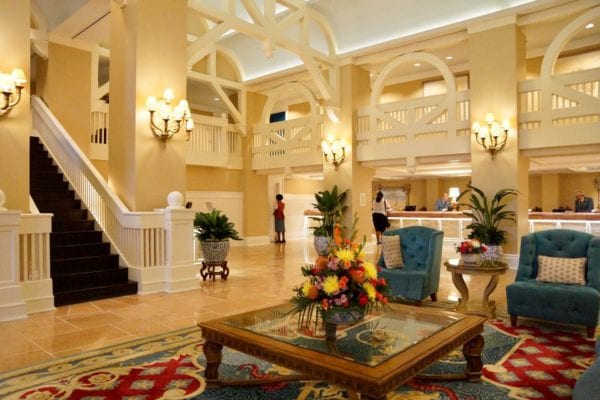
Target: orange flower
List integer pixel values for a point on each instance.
(321, 262)
(337, 234)
(343, 282)
(357, 275)
(313, 293)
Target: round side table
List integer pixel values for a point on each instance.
(458, 269)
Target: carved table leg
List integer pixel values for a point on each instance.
(203, 272)
(213, 354)
(224, 271)
(472, 352)
(460, 284)
(489, 306)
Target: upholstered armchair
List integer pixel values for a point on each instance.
(421, 253)
(552, 299)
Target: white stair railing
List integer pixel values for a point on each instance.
(139, 237)
(156, 246)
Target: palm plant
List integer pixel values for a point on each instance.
(487, 215)
(214, 226)
(331, 205)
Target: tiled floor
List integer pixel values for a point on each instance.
(260, 276)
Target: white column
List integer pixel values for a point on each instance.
(180, 271)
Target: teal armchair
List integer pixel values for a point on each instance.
(422, 255)
(558, 302)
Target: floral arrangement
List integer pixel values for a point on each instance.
(472, 246)
(339, 281)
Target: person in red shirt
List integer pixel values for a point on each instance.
(279, 219)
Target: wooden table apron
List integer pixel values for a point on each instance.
(374, 382)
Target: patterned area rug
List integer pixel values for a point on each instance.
(527, 362)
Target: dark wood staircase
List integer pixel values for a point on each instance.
(81, 266)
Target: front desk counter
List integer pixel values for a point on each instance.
(454, 223)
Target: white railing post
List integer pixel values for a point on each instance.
(180, 271)
(12, 305)
(34, 243)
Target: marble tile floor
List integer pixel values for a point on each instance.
(260, 276)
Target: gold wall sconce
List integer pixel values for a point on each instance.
(11, 86)
(334, 150)
(491, 136)
(166, 120)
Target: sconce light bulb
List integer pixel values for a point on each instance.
(475, 128)
(489, 118)
(168, 95)
(189, 125)
(325, 146)
(483, 132)
(505, 124)
(18, 76)
(496, 130)
(151, 103)
(6, 83)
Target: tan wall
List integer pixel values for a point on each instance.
(535, 192)
(68, 90)
(41, 72)
(103, 167)
(303, 186)
(213, 179)
(15, 127)
(402, 91)
(299, 110)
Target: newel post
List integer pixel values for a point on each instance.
(180, 271)
(12, 305)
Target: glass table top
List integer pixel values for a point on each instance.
(380, 336)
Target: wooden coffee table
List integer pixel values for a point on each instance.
(370, 359)
(458, 269)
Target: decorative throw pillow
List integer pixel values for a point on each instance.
(561, 270)
(392, 252)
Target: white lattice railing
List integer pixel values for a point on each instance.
(214, 142)
(416, 127)
(139, 237)
(292, 143)
(556, 105)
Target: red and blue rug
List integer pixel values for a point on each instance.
(525, 362)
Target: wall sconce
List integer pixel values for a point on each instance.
(165, 120)
(334, 150)
(11, 86)
(491, 137)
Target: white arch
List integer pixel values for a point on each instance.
(412, 57)
(276, 95)
(565, 35)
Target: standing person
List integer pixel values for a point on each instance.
(380, 209)
(583, 203)
(443, 204)
(279, 219)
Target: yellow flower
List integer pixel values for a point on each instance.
(369, 290)
(370, 270)
(331, 285)
(306, 288)
(345, 255)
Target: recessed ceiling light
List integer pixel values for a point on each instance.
(589, 26)
(216, 99)
(448, 57)
(417, 64)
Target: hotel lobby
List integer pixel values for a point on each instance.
(223, 105)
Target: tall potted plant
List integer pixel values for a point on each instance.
(487, 216)
(331, 206)
(214, 230)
